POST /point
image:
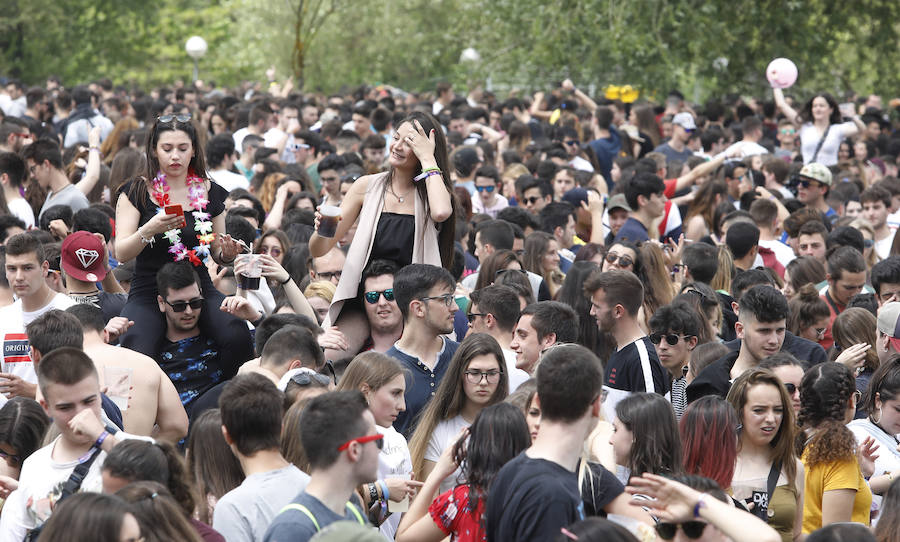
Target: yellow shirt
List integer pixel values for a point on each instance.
(824, 477)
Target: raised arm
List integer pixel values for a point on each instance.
(782, 104)
(92, 171)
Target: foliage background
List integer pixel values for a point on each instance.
(708, 47)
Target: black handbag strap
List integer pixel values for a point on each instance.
(821, 142)
(774, 474)
(77, 477)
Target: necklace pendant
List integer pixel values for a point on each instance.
(399, 198)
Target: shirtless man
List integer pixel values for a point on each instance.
(148, 400)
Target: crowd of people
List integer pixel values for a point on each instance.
(257, 314)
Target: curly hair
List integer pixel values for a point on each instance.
(825, 393)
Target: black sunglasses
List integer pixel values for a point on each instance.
(671, 338)
(180, 117)
(791, 388)
(532, 200)
(624, 261)
(372, 297)
(181, 306)
(305, 379)
(691, 529)
(472, 315)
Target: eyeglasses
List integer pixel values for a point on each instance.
(180, 117)
(475, 377)
(791, 388)
(472, 315)
(487, 189)
(531, 200)
(181, 306)
(671, 338)
(272, 251)
(298, 146)
(787, 131)
(305, 379)
(327, 275)
(6, 457)
(378, 438)
(372, 297)
(446, 298)
(572, 142)
(805, 183)
(691, 529)
(624, 261)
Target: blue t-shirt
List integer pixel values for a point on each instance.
(672, 154)
(421, 383)
(606, 150)
(632, 231)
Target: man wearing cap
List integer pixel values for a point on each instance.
(815, 181)
(888, 343)
(617, 213)
(83, 259)
(676, 147)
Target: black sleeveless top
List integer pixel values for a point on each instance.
(394, 237)
(154, 256)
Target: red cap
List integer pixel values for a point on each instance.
(82, 256)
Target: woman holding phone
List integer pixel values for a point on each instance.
(175, 213)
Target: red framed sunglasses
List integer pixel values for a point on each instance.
(378, 438)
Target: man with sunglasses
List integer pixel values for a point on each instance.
(385, 319)
(675, 148)
(338, 434)
(673, 331)
(193, 362)
(815, 181)
(424, 294)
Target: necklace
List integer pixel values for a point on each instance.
(399, 198)
(202, 223)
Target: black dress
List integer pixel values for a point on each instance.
(394, 237)
(149, 331)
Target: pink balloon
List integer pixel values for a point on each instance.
(781, 73)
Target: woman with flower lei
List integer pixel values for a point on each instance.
(146, 232)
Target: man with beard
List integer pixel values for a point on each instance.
(424, 294)
(385, 320)
(616, 297)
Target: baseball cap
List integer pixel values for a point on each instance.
(685, 120)
(81, 256)
(816, 172)
(575, 196)
(618, 202)
(889, 322)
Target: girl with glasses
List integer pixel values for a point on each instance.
(809, 316)
(382, 381)
(475, 379)
(835, 488)
(767, 471)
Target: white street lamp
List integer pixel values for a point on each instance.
(196, 47)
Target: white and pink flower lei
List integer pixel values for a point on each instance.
(202, 223)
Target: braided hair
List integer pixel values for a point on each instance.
(825, 393)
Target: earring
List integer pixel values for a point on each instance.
(880, 413)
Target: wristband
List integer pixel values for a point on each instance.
(384, 489)
(701, 503)
(426, 174)
(94, 149)
(285, 281)
(101, 438)
(373, 492)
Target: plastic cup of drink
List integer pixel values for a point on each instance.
(328, 224)
(248, 278)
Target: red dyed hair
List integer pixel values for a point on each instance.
(709, 439)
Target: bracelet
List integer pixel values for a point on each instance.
(384, 489)
(373, 492)
(701, 503)
(145, 240)
(94, 149)
(285, 281)
(101, 438)
(426, 174)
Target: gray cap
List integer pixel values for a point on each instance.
(618, 202)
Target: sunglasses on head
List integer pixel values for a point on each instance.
(180, 117)
(372, 297)
(485, 188)
(691, 529)
(181, 306)
(670, 338)
(624, 261)
(305, 379)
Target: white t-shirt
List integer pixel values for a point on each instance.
(444, 435)
(748, 148)
(20, 209)
(828, 154)
(239, 139)
(40, 484)
(16, 349)
(883, 247)
(272, 138)
(228, 180)
(393, 460)
(516, 376)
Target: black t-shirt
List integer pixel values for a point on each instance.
(194, 366)
(599, 488)
(636, 368)
(531, 499)
(154, 256)
(110, 303)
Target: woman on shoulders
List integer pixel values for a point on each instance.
(405, 215)
(765, 450)
(821, 129)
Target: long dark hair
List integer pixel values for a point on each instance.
(87, 516)
(572, 293)
(158, 513)
(198, 161)
(888, 528)
(498, 434)
(447, 229)
(657, 444)
(22, 426)
(806, 112)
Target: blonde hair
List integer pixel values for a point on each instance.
(725, 272)
(267, 189)
(864, 225)
(320, 288)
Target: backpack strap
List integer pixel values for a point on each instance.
(305, 510)
(352, 508)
